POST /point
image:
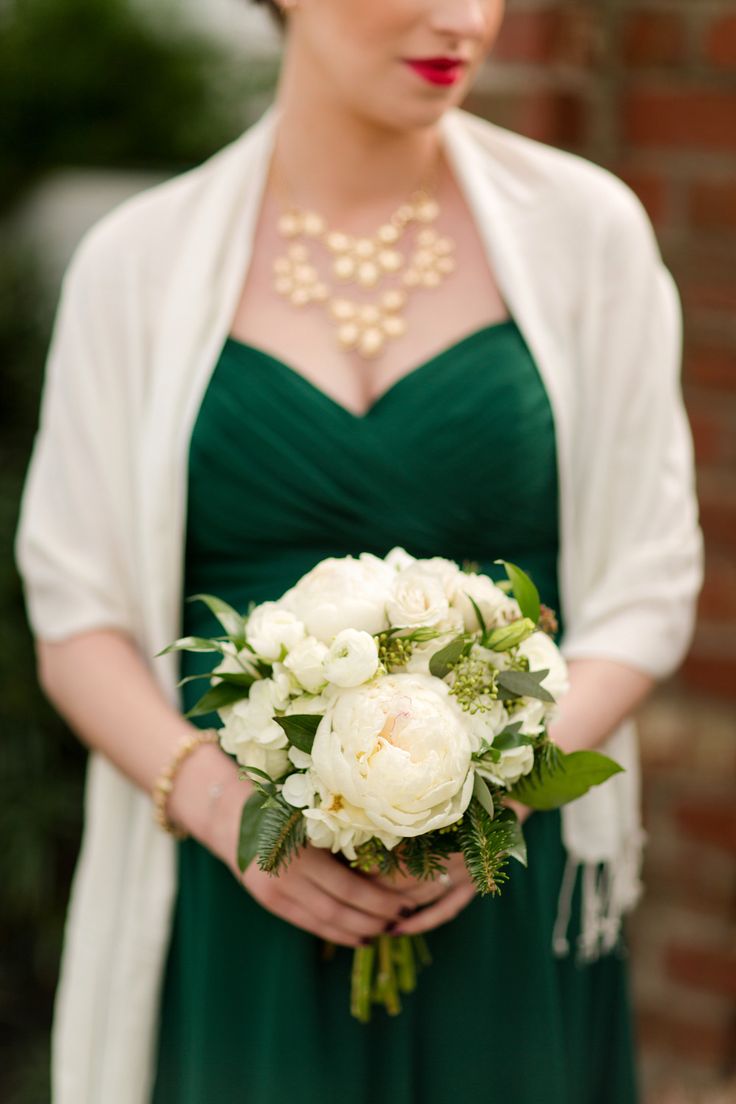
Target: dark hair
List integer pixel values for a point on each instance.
(275, 11)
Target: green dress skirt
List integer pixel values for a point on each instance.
(456, 459)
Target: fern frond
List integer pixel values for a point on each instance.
(425, 856)
(281, 834)
(485, 843)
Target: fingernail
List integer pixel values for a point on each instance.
(406, 911)
(390, 925)
(366, 940)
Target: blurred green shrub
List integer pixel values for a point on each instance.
(93, 82)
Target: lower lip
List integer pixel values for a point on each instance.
(434, 74)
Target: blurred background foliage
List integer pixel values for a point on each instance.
(82, 83)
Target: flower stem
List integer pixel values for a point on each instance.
(405, 964)
(360, 993)
(387, 990)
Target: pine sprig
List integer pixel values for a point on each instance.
(425, 856)
(281, 834)
(484, 843)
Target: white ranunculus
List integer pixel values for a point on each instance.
(250, 732)
(235, 663)
(270, 628)
(496, 606)
(390, 759)
(543, 654)
(399, 558)
(298, 790)
(422, 651)
(532, 716)
(351, 659)
(512, 765)
(418, 598)
(340, 593)
(300, 759)
(305, 662)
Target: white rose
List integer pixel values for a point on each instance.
(392, 758)
(352, 658)
(270, 628)
(340, 593)
(250, 732)
(399, 558)
(305, 662)
(512, 765)
(496, 606)
(543, 654)
(418, 598)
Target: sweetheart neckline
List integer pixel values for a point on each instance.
(461, 343)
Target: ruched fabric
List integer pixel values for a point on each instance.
(456, 459)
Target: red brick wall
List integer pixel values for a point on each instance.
(648, 88)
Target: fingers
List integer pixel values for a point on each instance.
(447, 908)
(346, 885)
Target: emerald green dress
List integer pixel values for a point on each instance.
(456, 459)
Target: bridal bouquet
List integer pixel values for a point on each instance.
(385, 708)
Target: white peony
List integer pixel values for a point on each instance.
(250, 732)
(305, 661)
(351, 659)
(446, 571)
(390, 759)
(418, 598)
(340, 593)
(511, 766)
(495, 605)
(270, 628)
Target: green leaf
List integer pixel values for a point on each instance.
(195, 644)
(563, 778)
(483, 794)
(506, 637)
(216, 698)
(524, 684)
(300, 729)
(511, 737)
(232, 622)
(441, 661)
(525, 592)
(250, 821)
(478, 614)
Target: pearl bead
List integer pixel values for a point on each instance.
(305, 274)
(368, 273)
(284, 285)
(364, 247)
(282, 266)
(423, 258)
(320, 292)
(405, 212)
(390, 260)
(289, 225)
(298, 252)
(445, 264)
(427, 237)
(344, 267)
(342, 309)
(337, 242)
(388, 234)
(348, 334)
(431, 278)
(427, 211)
(394, 325)
(371, 341)
(314, 224)
(300, 296)
(444, 245)
(393, 299)
(411, 277)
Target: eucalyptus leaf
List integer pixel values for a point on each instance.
(232, 622)
(483, 794)
(525, 592)
(564, 778)
(509, 739)
(478, 614)
(250, 821)
(300, 729)
(195, 644)
(225, 693)
(441, 661)
(524, 684)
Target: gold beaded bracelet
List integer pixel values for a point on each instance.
(165, 781)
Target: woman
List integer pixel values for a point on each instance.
(204, 428)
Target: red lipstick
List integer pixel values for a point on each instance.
(437, 70)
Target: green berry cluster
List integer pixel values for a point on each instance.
(393, 651)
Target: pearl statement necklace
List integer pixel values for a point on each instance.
(361, 325)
